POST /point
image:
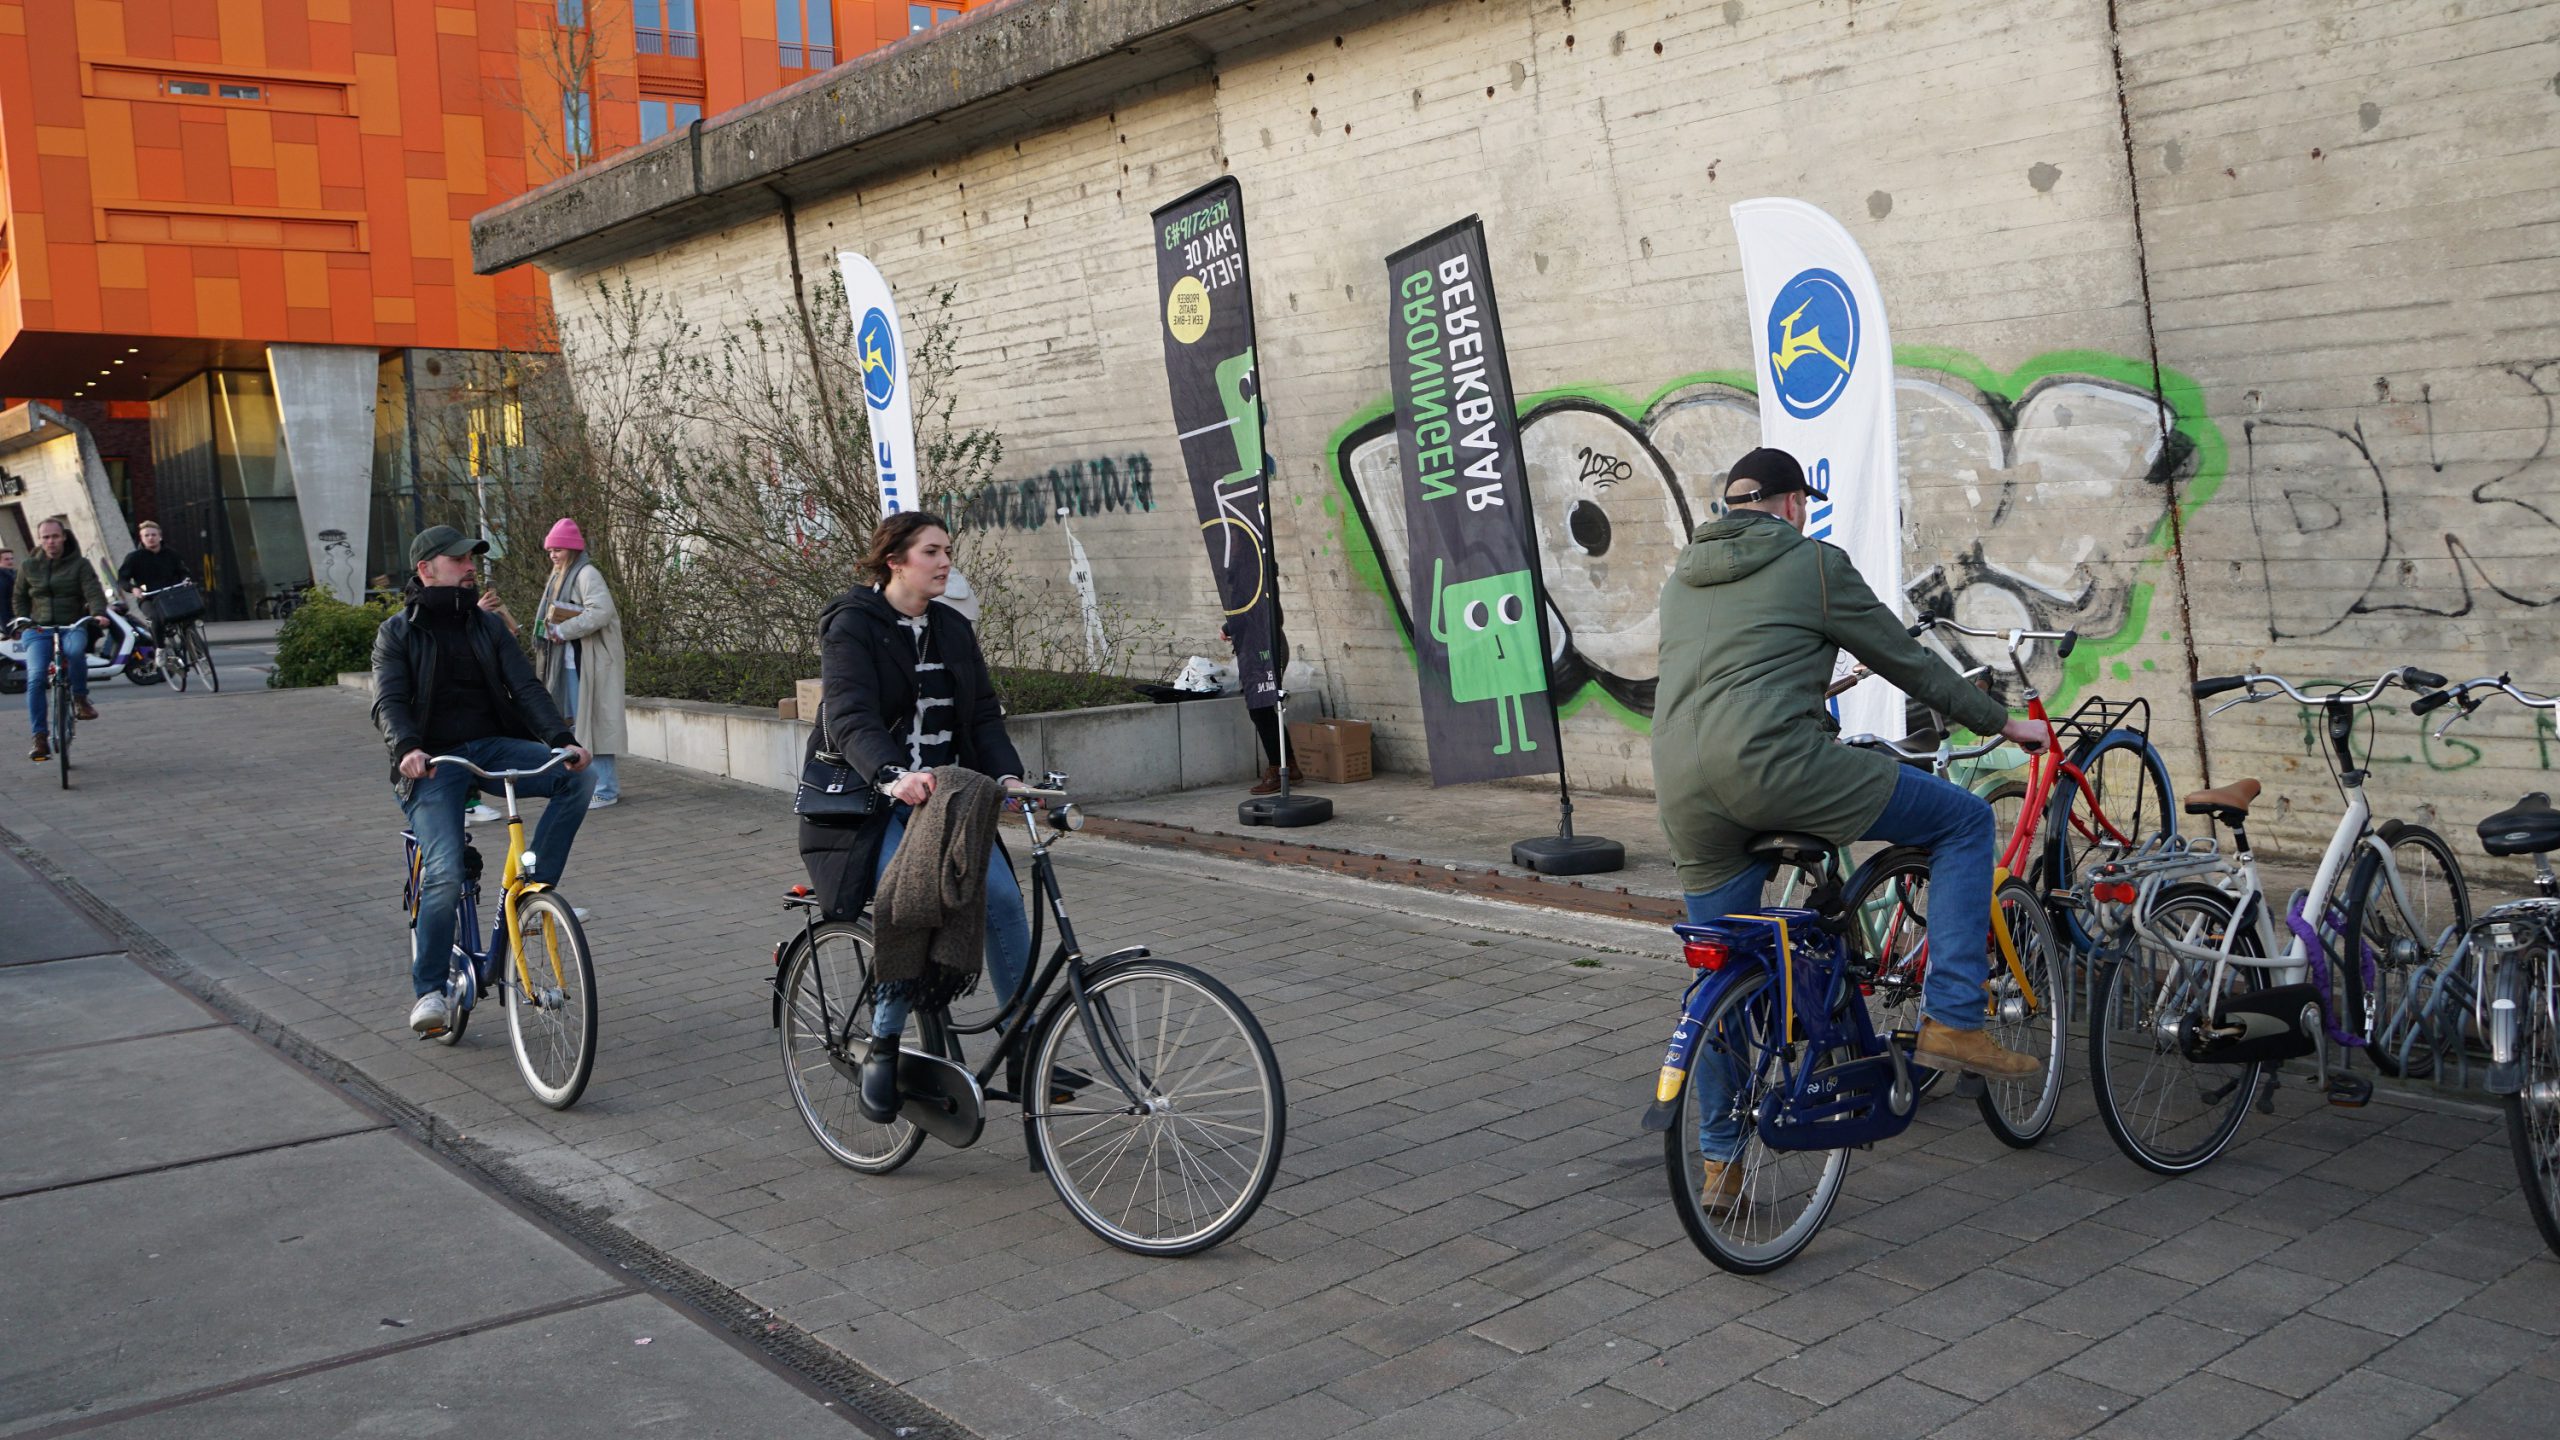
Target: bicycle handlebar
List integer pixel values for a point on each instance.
(1019, 790)
(2461, 696)
(557, 756)
(2267, 687)
(2063, 640)
(1896, 747)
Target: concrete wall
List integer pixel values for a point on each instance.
(2329, 225)
(1116, 752)
(57, 461)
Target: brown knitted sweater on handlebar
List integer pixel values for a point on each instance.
(931, 913)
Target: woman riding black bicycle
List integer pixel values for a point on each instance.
(906, 689)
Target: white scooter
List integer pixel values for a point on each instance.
(125, 647)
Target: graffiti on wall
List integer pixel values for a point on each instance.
(1099, 485)
(2042, 494)
(2337, 512)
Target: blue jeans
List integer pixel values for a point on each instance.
(435, 807)
(1956, 827)
(75, 663)
(608, 784)
(1008, 935)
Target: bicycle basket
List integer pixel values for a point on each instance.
(180, 602)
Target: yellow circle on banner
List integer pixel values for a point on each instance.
(1186, 310)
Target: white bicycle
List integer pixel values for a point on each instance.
(2201, 991)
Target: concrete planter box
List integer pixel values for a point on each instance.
(1116, 752)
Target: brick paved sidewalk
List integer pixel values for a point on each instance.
(1469, 1237)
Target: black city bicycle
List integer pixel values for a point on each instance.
(179, 611)
(57, 681)
(1149, 1094)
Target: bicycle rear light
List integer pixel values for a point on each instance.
(1706, 954)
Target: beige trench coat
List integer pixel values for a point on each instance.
(598, 635)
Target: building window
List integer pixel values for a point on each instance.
(665, 27)
(658, 116)
(577, 123)
(573, 14)
(186, 87)
(241, 92)
(808, 34)
(925, 17)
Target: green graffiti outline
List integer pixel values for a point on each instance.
(2178, 391)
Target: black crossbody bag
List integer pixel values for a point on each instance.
(830, 793)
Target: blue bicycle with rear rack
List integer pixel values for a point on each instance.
(1777, 1013)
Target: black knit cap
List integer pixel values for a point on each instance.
(1773, 472)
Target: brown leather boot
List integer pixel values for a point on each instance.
(1721, 1187)
(81, 707)
(42, 750)
(1269, 784)
(1942, 1047)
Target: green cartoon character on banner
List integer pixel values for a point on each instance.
(1493, 649)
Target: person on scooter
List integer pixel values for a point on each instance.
(57, 586)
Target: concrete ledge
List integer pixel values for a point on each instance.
(1116, 752)
(998, 71)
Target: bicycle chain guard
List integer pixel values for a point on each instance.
(1856, 1102)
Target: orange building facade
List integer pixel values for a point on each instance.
(235, 249)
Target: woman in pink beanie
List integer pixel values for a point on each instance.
(577, 643)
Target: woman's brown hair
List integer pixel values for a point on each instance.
(893, 537)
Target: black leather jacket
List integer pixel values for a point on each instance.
(404, 684)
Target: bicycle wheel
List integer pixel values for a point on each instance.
(2401, 944)
(173, 663)
(2533, 1112)
(200, 656)
(1890, 898)
(1186, 1166)
(2020, 1111)
(63, 719)
(2168, 1113)
(822, 1049)
(2130, 782)
(553, 1025)
(1785, 1195)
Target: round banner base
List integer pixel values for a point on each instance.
(1285, 812)
(1569, 855)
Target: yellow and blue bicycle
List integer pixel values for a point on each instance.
(536, 954)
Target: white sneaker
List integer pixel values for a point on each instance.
(430, 1013)
(602, 804)
(482, 815)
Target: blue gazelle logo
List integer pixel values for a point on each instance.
(1813, 342)
(877, 345)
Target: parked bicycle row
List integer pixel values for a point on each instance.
(1826, 1008)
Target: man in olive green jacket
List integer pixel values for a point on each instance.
(1752, 619)
(57, 586)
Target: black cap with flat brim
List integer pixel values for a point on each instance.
(1765, 474)
(443, 540)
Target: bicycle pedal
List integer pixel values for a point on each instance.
(2350, 1092)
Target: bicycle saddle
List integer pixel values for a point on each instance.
(2226, 803)
(2529, 827)
(1790, 847)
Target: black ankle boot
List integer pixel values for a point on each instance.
(880, 1097)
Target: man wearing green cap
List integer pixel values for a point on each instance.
(448, 680)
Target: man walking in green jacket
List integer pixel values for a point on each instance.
(57, 586)
(1752, 620)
